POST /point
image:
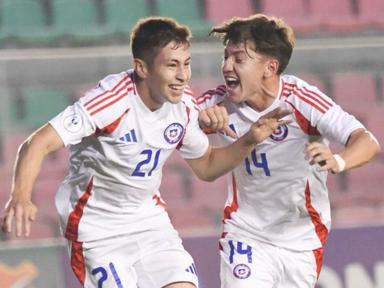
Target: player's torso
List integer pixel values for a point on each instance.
(278, 159)
(271, 183)
(126, 165)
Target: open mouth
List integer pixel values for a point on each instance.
(231, 82)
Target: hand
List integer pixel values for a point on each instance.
(321, 154)
(264, 127)
(22, 212)
(216, 119)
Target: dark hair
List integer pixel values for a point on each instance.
(153, 33)
(270, 36)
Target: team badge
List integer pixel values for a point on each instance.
(280, 133)
(73, 123)
(242, 271)
(173, 133)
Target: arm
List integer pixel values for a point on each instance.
(361, 147)
(19, 208)
(218, 161)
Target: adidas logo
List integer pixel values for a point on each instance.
(129, 137)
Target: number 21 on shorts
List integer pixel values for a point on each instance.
(102, 274)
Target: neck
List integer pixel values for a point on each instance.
(267, 94)
(146, 95)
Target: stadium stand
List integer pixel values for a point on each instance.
(220, 10)
(355, 92)
(11, 144)
(315, 80)
(21, 20)
(371, 13)
(76, 20)
(189, 13)
(381, 89)
(295, 12)
(358, 188)
(90, 22)
(334, 16)
(37, 106)
(375, 122)
(121, 15)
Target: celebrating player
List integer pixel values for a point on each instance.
(277, 214)
(120, 134)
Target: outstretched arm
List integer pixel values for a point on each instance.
(19, 208)
(361, 147)
(218, 161)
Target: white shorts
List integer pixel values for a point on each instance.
(257, 264)
(150, 259)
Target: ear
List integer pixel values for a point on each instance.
(271, 67)
(140, 67)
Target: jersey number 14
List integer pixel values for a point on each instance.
(259, 161)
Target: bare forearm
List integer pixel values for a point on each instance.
(29, 158)
(221, 160)
(227, 158)
(218, 161)
(19, 209)
(27, 167)
(361, 147)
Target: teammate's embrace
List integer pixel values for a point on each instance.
(120, 134)
(277, 215)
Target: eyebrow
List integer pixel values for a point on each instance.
(236, 53)
(175, 60)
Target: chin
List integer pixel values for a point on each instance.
(235, 97)
(175, 99)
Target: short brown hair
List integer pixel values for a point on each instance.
(270, 36)
(153, 33)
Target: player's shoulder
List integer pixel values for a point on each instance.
(218, 91)
(302, 94)
(291, 83)
(212, 96)
(112, 80)
(110, 94)
(188, 97)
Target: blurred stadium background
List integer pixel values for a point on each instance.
(52, 51)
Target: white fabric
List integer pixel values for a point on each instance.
(257, 264)
(276, 196)
(118, 148)
(151, 259)
(340, 162)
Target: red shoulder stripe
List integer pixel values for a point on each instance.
(110, 103)
(124, 80)
(129, 88)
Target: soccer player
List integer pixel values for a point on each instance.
(277, 213)
(120, 134)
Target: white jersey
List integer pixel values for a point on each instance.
(276, 196)
(118, 148)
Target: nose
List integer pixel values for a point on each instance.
(227, 65)
(182, 74)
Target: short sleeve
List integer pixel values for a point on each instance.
(194, 143)
(73, 124)
(97, 109)
(211, 97)
(337, 125)
(108, 100)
